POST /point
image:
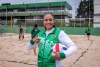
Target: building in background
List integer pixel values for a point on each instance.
(34, 12)
(96, 14)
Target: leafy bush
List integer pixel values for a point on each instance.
(63, 24)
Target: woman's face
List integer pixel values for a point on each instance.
(20, 26)
(48, 21)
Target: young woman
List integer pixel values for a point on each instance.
(34, 32)
(88, 32)
(47, 39)
(21, 32)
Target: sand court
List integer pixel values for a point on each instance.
(13, 52)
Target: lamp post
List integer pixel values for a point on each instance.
(75, 13)
(80, 21)
(89, 14)
(61, 13)
(36, 12)
(6, 15)
(25, 14)
(11, 26)
(48, 5)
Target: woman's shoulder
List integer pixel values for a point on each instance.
(58, 30)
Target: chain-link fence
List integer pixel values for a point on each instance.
(77, 22)
(81, 22)
(3, 27)
(31, 22)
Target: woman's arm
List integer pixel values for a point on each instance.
(32, 43)
(65, 40)
(23, 29)
(30, 46)
(31, 35)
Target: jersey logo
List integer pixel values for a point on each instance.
(35, 30)
(53, 36)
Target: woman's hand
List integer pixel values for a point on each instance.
(36, 39)
(56, 56)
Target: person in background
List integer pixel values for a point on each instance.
(34, 32)
(88, 30)
(21, 33)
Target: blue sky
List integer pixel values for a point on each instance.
(73, 3)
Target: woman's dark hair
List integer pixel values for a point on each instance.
(20, 25)
(35, 26)
(50, 14)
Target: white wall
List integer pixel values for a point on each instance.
(67, 10)
(96, 18)
(96, 11)
(67, 20)
(15, 10)
(96, 25)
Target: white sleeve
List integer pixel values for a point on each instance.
(64, 39)
(30, 46)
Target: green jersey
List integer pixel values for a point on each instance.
(88, 30)
(47, 40)
(45, 45)
(35, 32)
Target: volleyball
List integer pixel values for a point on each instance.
(58, 48)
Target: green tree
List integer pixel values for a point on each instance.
(86, 10)
(91, 24)
(63, 24)
(85, 24)
(70, 24)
